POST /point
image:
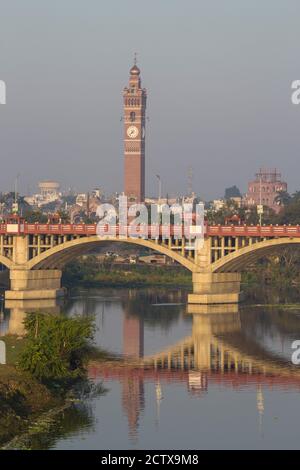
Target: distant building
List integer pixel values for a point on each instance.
(81, 199)
(86, 205)
(97, 193)
(162, 200)
(218, 204)
(232, 192)
(49, 189)
(153, 259)
(264, 189)
(238, 200)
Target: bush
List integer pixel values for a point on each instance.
(55, 345)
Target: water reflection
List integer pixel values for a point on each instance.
(167, 347)
(13, 313)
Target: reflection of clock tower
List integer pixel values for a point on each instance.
(134, 137)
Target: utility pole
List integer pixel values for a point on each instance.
(190, 181)
(15, 207)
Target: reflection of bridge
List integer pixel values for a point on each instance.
(216, 352)
(35, 254)
(217, 344)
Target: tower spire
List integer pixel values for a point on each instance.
(135, 58)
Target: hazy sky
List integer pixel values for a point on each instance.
(218, 75)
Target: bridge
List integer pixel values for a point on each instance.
(35, 254)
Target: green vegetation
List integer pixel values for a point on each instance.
(14, 347)
(45, 375)
(8, 199)
(21, 398)
(33, 216)
(89, 272)
(274, 278)
(290, 212)
(55, 346)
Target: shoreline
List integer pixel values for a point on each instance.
(23, 399)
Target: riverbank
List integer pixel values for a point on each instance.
(260, 283)
(22, 399)
(44, 371)
(90, 273)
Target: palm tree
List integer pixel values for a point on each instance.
(283, 198)
(296, 196)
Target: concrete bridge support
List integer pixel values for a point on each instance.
(28, 283)
(215, 288)
(34, 284)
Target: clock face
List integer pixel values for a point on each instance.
(132, 132)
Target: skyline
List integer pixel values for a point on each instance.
(219, 92)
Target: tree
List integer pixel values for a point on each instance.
(108, 262)
(70, 200)
(283, 198)
(296, 196)
(7, 200)
(64, 216)
(55, 345)
(290, 214)
(33, 216)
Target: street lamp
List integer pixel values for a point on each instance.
(15, 206)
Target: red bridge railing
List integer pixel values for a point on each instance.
(210, 230)
(254, 230)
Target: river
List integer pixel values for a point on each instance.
(219, 378)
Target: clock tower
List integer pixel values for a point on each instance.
(134, 137)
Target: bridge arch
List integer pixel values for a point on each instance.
(58, 256)
(239, 259)
(6, 262)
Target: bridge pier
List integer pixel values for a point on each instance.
(34, 284)
(215, 288)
